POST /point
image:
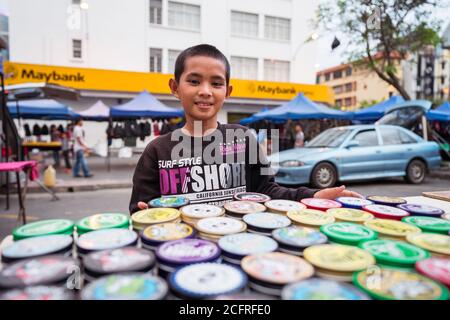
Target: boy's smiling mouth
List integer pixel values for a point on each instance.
(203, 104)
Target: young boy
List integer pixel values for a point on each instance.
(201, 161)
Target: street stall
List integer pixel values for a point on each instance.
(97, 112)
(375, 112)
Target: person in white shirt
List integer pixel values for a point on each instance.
(299, 136)
(79, 148)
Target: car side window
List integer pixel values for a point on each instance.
(390, 136)
(406, 138)
(367, 138)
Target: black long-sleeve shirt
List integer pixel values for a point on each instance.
(209, 169)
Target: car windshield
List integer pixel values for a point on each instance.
(330, 138)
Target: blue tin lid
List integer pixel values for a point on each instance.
(321, 289)
(298, 237)
(169, 202)
(205, 280)
(186, 251)
(128, 286)
(244, 244)
(353, 202)
(421, 210)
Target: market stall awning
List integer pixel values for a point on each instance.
(145, 105)
(97, 112)
(46, 109)
(375, 112)
(441, 113)
(302, 108)
(252, 118)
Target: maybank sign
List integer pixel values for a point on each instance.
(125, 81)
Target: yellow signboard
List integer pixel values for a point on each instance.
(126, 81)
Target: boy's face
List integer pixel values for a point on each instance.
(202, 88)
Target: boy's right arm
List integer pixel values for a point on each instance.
(145, 179)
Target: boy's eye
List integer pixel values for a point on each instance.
(217, 84)
(192, 81)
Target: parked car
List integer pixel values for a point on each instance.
(357, 152)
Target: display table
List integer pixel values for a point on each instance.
(31, 172)
(444, 205)
(41, 145)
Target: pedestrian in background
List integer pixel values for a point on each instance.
(80, 147)
(55, 137)
(66, 137)
(299, 136)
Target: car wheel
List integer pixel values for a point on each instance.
(415, 172)
(323, 176)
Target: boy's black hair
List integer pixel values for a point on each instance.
(205, 50)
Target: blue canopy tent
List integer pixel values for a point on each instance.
(46, 109)
(302, 108)
(144, 105)
(441, 113)
(252, 119)
(97, 112)
(375, 112)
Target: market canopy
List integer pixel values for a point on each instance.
(442, 113)
(375, 112)
(252, 118)
(145, 105)
(97, 112)
(302, 108)
(46, 109)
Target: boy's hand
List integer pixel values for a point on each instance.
(333, 193)
(142, 205)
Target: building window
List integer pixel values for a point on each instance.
(337, 74)
(156, 11)
(155, 60)
(348, 87)
(338, 103)
(277, 28)
(348, 71)
(185, 16)
(244, 24)
(275, 70)
(76, 49)
(244, 68)
(442, 79)
(317, 79)
(337, 89)
(76, 2)
(327, 76)
(173, 55)
(348, 102)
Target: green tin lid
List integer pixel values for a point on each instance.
(103, 221)
(348, 233)
(43, 228)
(395, 284)
(395, 253)
(429, 224)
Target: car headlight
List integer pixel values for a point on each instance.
(291, 163)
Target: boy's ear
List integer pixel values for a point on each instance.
(173, 87)
(229, 90)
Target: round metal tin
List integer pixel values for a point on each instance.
(276, 268)
(200, 211)
(386, 212)
(338, 257)
(322, 289)
(320, 204)
(433, 242)
(421, 210)
(38, 293)
(103, 221)
(244, 244)
(126, 259)
(251, 196)
(240, 208)
(394, 253)
(206, 280)
(298, 238)
(38, 246)
(446, 216)
(429, 224)
(283, 206)
(144, 218)
(387, 201)
(310, 217)
(43, 228)
(393, 284)
(169, 202)
(46, 270)
(130, 286)
(162, 232)
(353, 202)
(220, 226)
(106, 239)
(348, 233)
(435, 268)
(187, 251)
(391, 228)
(265, 221)
(350, 215)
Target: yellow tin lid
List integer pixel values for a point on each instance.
(338, 257)
(167, 231)
(436, 243)
(391, 227)
(310, 217)
(350, 215)
(155, 215)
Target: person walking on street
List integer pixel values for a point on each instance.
(299, 136)
(65, 139)
(55, 137)
(80, 148)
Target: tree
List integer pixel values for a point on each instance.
(383, 31)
